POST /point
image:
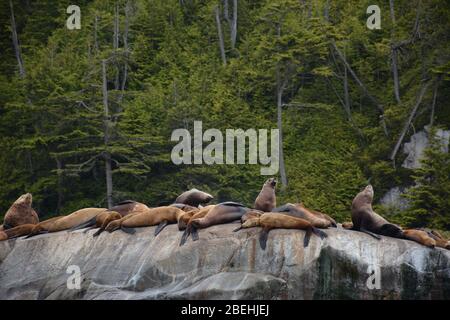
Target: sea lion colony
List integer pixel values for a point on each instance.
(190, 212)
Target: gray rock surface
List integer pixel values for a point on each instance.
(221, 265)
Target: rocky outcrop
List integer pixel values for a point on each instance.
(222, 265)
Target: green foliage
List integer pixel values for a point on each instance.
(175, 76)
(430, 197)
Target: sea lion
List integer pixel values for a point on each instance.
(436, 236)
(20, 212)
(186, 222)
(16, 232)
(272, 220)
(43, 226)
(419, 236)
(266, 200)
(160, 216)
(67, 222)
(317, 219)
(366, 220)
(251, 214)
(194, 197)
(117, 212)
(221, 213)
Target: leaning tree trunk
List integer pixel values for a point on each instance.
(16, 42)
(233, 25)
(280, 90)
(219, 32)
(394, 56)
(408, 122)
(116, 44)
(107, 155)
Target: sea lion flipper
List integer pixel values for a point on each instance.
(128, 230)
(161, 226)
(319, 233)
(238, 228)
(97, 233)
(88, 223)
(263, 238)
(185, 236)
(36, 234)
(194, 233)
(307, 237)
(370, 233)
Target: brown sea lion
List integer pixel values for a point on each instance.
(43, 226)
(366, 220)
(185, 222)
(419, 236)
(16, 232)
(251, 214)
(123, 208)
(113, 224)
(224, 212)
(20, 212)
(436, 236)
(266, 200)
(272, 220)
(160, 216)
(317, 219)
(67, 222)
(194, 197)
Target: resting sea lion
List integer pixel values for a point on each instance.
(366, 220)
(419, 236)
(160, 216)
(248, 216)
(436, 236)
(266, 200)
(194, 197)
(186, 222)
(271, 220)
(43, 226)
(317, 219)
(67, 222)
(16, 232)
(20, 212)
(221, 213)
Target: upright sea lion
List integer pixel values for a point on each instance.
(266, 200)
(366, 220)
(271, 220)
(317, 219)
(221, 213)
(20, 212)
(194, 197)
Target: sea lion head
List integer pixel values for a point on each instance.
(367, 193)
(271, 182)
(25, 199)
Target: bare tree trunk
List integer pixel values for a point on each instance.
(363, 87)
(219, 32)
(408, 121)
(95, 34)
(107, 155)
(60, 185)
(233, 25)
(116, 44)
(280, 89)
(394, 56)
(346, 94)
(16, 42)
(125, 46)
(433, 103)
